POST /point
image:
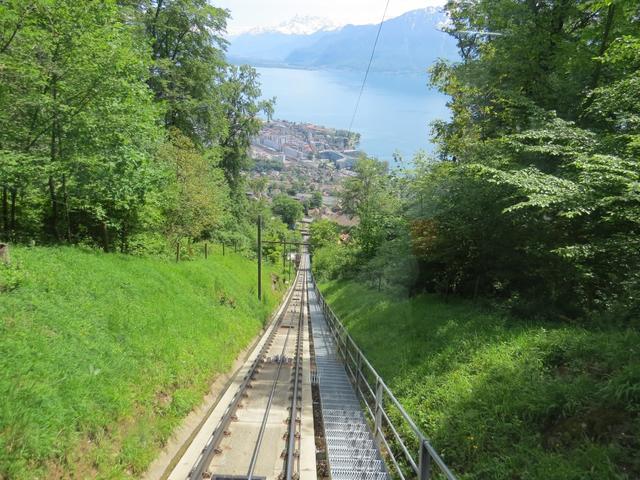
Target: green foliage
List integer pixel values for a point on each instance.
(538, 201)
(197, 193)
(289, 209)
(370, 196)
(335, 261)
(316, 200)
(499, 397)
(104, 354)
(11, 277)
(94, 97)
(378, 247)
(76, 97)
(323, 233)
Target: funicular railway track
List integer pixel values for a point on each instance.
(307, 405)
(258, 436)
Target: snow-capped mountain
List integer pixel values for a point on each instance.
(298, 25)
(410, 42)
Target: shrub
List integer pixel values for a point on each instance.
(335, 261)
(11, 276)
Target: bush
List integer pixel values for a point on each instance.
(11, 276)
(335, 261)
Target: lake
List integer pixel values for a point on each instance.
(394, 113)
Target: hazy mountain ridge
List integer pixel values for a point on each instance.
(410, 42)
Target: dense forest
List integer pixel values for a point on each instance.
(534, 199)
(123, 127)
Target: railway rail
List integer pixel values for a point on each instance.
(264, 413)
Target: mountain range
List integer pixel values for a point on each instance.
(410, 42)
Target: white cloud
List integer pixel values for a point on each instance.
(247, 14)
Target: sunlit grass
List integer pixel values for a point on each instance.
(102, 355)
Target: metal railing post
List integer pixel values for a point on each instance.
(378, 410)
(359, 374)
(425, 461)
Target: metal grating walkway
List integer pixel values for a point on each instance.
(351, 449)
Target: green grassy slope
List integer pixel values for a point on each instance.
(102, 355)
(502, 398)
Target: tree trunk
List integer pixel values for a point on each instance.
(54, 158)
(4, 253)
(5, 210)
(54, 208)
(476, 286)
(14, 195)
(608, 26)
(65, 200)
(124, 244)
(105, 237)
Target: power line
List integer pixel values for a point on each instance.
(366, 74)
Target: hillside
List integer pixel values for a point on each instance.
(500, 397)
(102, 355)
(410, 42)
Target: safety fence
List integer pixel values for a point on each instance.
(402, 443)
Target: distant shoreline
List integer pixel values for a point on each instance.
(268, 64)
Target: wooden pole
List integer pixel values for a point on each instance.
(105, 237)
(206, 251)
(223, 249)
(259, 257)
(284, 254)
(178, 252)
(4, 253)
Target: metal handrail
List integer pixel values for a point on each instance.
(419, 462)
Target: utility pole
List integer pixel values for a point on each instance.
(284, 254)
(259, 257)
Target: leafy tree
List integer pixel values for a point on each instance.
(289, 209)
(370, 197)
(197, 196)
(240, 91)
(93, 96)
(316, 200)
(536, 55)
(538, 203)
(74, 93)
(188, 64)
(322, 233)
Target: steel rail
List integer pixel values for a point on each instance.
(204, 460)
(297, 373)
(265, 417)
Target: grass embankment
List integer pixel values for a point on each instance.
(102, 355)
(502, 398)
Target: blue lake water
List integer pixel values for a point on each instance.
(394, 113)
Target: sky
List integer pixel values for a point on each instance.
(247, 14)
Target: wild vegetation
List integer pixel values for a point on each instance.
(103, 355)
